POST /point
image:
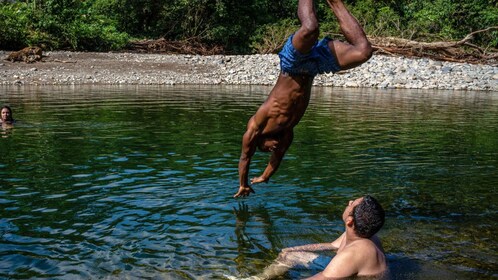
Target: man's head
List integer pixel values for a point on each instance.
(268, 144)
(6, 114)
(366, 214)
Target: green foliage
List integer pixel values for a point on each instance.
(433, 18)
(489, 17)
(83, 34)
(138, 18)
(271, 37)
(58, 24)
(377, 19)
(428, 20)
(478, 15)
(14, 19)
(239, 27)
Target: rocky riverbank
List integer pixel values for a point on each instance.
(75, 68)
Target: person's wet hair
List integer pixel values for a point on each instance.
(369, 217)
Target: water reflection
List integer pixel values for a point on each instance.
(259, 245)
(6, 130)
(136, 182)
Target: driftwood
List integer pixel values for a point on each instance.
(162, 45)
(63, 61)
(456, 51)
(28, 55)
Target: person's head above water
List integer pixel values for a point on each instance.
(366, 215)
(6, 114)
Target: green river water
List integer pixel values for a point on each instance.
(136, 182)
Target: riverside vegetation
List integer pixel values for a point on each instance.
(228, 32)
(227, 26)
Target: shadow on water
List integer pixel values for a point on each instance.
(412, 269)
(137, 182)
(259, 245)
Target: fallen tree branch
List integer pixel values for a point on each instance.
(461, 51)
(455, 51)
(400, 42)
(63, 61)
(190, 46)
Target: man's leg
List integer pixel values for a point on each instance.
(305, 38)
(359, 49)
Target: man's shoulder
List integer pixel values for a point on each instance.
(364, 245)
(361, 257)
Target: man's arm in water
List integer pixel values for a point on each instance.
(276, 157)
(298, 255)
(333, 246)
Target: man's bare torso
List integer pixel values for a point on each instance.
(286, 104)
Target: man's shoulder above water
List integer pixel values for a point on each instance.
(362, 257)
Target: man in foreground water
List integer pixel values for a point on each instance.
(359, 251)
(302, 58)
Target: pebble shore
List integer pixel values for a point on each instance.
(81, 68)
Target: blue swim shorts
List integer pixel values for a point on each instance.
(318, 61)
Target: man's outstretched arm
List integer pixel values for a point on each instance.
(358, 49)
(248, 150)
(311, 248)
(329, 246)
(276, 158)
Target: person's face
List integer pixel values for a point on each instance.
(348, 211)
(268, 144)
(5, 114)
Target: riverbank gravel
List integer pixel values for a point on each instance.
(78, 68)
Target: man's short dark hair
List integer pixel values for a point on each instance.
(369, 217)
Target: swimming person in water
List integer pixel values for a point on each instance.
(6, 117)
(359, 251)
(302, 58)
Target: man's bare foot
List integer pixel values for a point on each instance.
(244, 191)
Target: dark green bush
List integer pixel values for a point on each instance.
(14, 19)
(270, 38)
(57, 24)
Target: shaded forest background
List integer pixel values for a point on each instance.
(229, 26)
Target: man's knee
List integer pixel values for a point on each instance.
(310, 29)
(365, 52)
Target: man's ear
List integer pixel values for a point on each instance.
(350, 221)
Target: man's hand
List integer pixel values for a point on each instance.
(259, 179)
(244, 191)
